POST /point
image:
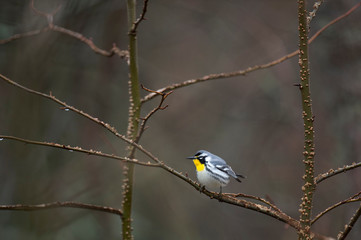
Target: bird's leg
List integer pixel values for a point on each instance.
(220, 193)
(201, 189)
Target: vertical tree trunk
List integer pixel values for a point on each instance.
(133, 122)
(307, 115)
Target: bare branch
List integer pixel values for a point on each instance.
(43, 206)
(354, 198)
(255, 198)
(333, 172)
(141, 18)
(90, 43)
(79, 149)
(249, 69)
(52, 27)
(349, 226)
(23, 35)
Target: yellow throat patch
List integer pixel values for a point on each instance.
(199, 165)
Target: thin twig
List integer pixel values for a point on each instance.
(27, 34)
(333, 172)
(335, 21)
(249, 69)
(354, 198)
(312, 14)
(43, 206)
(49, 16)
(90, 43)
(141, 18)
(153, 111)
(349, 226)
(79, 149)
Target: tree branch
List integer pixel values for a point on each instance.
(235, 195)
(23, 35)
(332, 172)
(349, 226)
(52, 27)
(249, 69)
(141, 18)
(43, 206)
(79, 149)
(354, 198)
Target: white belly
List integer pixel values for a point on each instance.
(205, 178)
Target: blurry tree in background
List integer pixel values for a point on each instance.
(69, 64)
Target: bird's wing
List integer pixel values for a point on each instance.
(227, 169)
(221, 165)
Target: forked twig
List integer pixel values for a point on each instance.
(49, 16)
(153, 111)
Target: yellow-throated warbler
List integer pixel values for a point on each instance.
(213, 171)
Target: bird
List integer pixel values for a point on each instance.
(212, 171)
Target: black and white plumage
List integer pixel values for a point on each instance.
(213, 171)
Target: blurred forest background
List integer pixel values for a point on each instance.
(254, 122)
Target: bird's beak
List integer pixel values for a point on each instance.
(192, 157)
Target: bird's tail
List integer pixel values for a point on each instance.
(239, 176)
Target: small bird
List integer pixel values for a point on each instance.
(213, 171)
